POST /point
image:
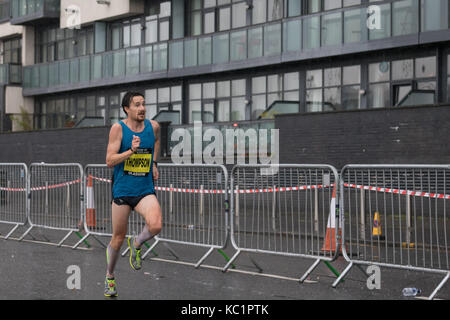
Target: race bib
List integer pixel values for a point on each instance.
(139, 163)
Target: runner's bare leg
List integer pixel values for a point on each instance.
(150, 210)
(120, 216)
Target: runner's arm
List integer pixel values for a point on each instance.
(157, 133)
(113, 157)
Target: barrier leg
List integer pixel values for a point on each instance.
(173, 252)
(81, 240)
(439, 287)
(25, 234)
(310, 270)
(65, 238)
(231, 261)
(343, 274)
(100, 242)
(260, 270)
(11, 232)
(202, 259)
(125, 252)
(150, 249)
(226, 257)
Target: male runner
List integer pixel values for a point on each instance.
(132, 150)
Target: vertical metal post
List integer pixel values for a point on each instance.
(408, 220)
(316, 210)
(274, 207)
(362, 221)
(46, 198)
(236, 208)
(171, 202)
(201, 205)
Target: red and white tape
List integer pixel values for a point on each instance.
(281, 189)
(59, 185)
(214, 191)
(12, 189)
(399, 191)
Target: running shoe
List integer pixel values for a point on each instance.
(110, 287)
(135, 254)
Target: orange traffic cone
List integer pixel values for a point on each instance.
(330, 238)
(90, 208)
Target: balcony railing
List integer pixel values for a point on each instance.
(30, 11)
(10, 74)
(287, 40)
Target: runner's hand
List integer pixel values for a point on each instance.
(135, 143)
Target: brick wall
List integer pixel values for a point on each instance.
(81, 145)
(419, 135)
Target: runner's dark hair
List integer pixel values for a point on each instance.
(128, 97)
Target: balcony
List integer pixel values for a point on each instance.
(10, 74)
(32, 12)
(326, 34)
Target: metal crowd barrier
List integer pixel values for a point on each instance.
(97, 206)
(13, 195)
(397, 216)
(56, 197)
(285, 211)
(193, 200)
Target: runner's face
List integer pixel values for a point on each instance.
(136, 110)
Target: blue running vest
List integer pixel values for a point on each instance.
(134, 176)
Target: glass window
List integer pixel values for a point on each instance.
(220, 48)
(351, 75)
(332, 29)
(176, 55)
(353, 25)
(132, 61)
(238, 87)
(190, 53)
(426, 67)
(255, 43)
(332, 77)
(311, 33)
(224, 18)
(238, 45)
(151, 30)
(292, 35)
(238, 109)
(146, 59)
(379, 72)
(313, 79)
(205, 54)
(385, 30)
(239, 15)
(402, 69)
(275, 10)
(118, 63)
(379, 95)
(259, 11)
(405, 17)
(294, 8)
(160, 57)
(272, 39)
(210, 22)
(84, 69)
(435, 15)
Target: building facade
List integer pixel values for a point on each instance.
(67, 63)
